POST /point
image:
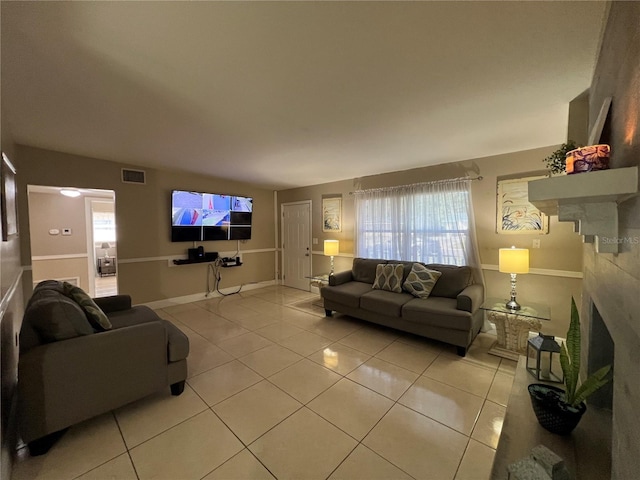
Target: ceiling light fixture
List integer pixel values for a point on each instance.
(68, 192)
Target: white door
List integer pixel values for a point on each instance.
(296, 245)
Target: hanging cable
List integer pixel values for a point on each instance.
(214, 277)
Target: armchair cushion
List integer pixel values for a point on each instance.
(55, 317)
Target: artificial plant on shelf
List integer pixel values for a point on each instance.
(556, 162)
(557, 410)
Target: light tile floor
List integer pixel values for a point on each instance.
(278, 390)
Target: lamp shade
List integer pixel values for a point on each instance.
(105, 245)
(513, 260)
(331, 247)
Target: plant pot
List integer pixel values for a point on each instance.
(587, 159)
(552, 411)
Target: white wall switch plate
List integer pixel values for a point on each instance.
(536, 243)
(66, 231)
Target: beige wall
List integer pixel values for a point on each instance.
(11, 298)
(560, 250)
(54, 211)
(66, 269)
(143, 223)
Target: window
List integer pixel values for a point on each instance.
(430, 223)
(104, 226)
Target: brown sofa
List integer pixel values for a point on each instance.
(69, 372)
(450, 314)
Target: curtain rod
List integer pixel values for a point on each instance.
(380, 189)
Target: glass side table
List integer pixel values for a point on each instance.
(513, 326)
(318, 281)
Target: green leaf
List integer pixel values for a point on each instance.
(570, 378)
(574, 338)
(590, 385)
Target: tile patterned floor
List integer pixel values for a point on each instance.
(277, 390)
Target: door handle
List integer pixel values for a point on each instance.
(306, 254)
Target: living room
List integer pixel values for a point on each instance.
(557, 267)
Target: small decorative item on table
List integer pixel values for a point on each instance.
(541, 349)
(587, 159)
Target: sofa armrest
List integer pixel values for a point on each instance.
(340, 278)
(114, 303)
(62, 383)
(470, 298)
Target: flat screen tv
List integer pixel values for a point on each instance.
(199, 216)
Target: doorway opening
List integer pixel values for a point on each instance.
(73, 237)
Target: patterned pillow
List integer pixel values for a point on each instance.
(420, 280)
(94, 313)
(389, 277)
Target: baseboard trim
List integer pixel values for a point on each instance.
(196, 297)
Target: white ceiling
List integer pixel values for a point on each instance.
(294, 93)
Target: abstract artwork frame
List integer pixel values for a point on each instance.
(515, 214)
(332, 214)
(8, 196)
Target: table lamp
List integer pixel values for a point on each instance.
(105, 246)
(331, 248)
(513, 261)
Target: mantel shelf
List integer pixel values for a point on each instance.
(590, 200)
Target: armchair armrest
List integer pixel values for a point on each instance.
(114, 303)
(62, 383)
(340, 278)
(470, 298)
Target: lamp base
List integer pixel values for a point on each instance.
(512, 304)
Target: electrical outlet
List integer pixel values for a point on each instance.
(536, 243)
(315, 241)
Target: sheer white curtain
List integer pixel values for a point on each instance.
(426, 222)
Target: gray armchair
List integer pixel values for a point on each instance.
(68, 372)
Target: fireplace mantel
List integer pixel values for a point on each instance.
(589, 200)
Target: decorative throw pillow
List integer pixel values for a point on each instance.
(389, 277)
(94, 313)
(420, 280)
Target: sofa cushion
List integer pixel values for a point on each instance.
(54, 317)
(420, 281)
(94, 313)
(437, 312)
(347, 293)
(384, 302)
(389, 277)
(364, 269)
(452, 281)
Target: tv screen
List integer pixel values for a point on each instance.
(199, 216)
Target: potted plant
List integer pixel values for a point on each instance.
(557, 410)
(556, 161)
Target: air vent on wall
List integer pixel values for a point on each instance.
(133, 176)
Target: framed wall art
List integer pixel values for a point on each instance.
(515, 214)
(332, 214)
(8, 194)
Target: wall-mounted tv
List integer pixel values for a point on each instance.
(199, 216)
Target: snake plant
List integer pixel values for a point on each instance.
(570, 362)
